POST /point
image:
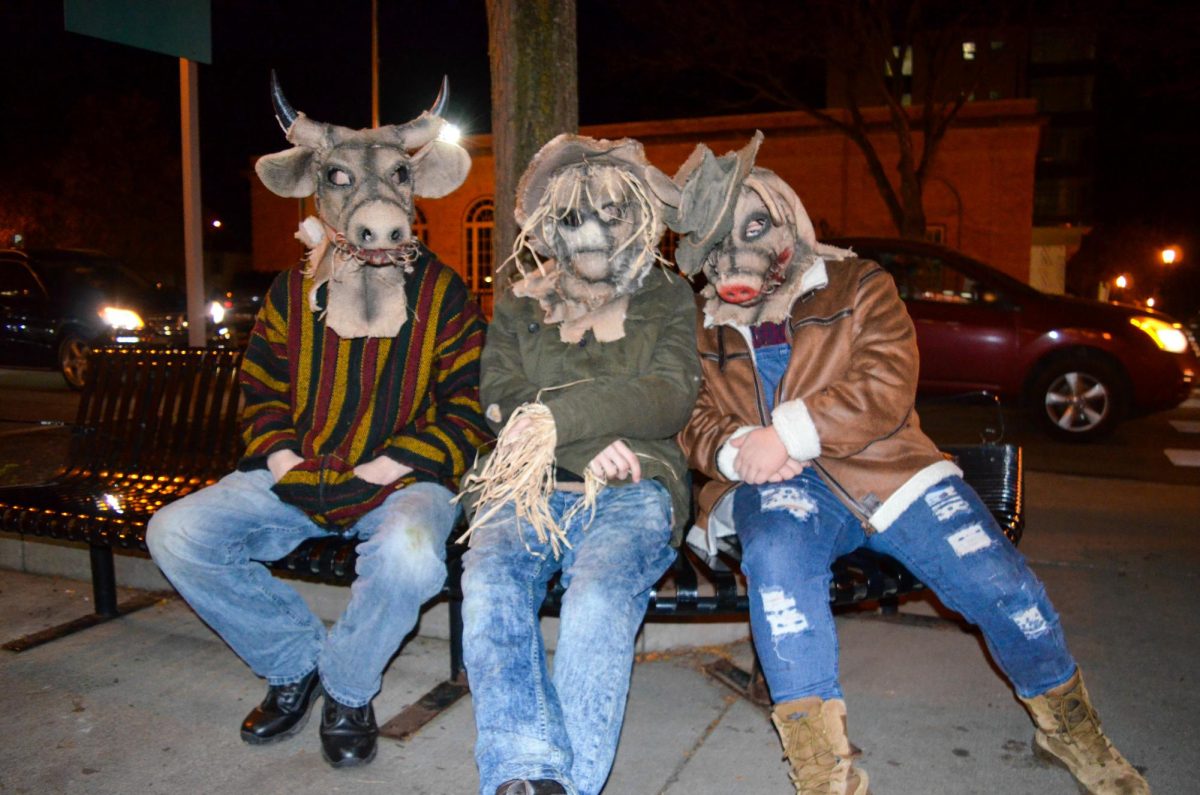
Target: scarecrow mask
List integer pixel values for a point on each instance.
(364, 182)
(749, 233)
(591, 215)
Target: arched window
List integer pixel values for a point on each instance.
(477, 227)
(420, 226)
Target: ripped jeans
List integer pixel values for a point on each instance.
(792, 532)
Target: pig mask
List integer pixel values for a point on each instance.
(749, 233)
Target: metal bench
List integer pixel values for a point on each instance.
(157, 424)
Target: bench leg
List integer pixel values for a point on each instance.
(456, 638)
(445, 694)
(104, 581)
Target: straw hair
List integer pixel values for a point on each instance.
(567, 192)
(521, 471)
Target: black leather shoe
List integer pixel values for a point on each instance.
(283, 712)
(348, 734)
(541, 786)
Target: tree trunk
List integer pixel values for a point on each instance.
(535, 96)
(913, 200)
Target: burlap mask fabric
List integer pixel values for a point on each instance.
(362, 246)
(709, 190)
(591, 213)
(718, 195)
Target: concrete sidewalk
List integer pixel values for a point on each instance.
(150, 703)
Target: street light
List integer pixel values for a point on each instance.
(1121, 282)
(1170, 255)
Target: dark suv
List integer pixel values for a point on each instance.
(56, 304)
(1080, 366)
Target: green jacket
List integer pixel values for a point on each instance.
(641, 387)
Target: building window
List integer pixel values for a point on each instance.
(478, 226)
(906, 61)
(420, 226)
(1063, 93)
(968, 50)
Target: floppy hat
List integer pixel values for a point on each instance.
(569, 149)
(709, 187)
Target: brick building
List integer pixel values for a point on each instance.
(979, 196)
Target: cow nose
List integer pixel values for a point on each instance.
(378, 225)
(736, 293)
(367, 236)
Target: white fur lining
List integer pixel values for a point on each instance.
(815, 277)
(727, 453)
(708, 540)
(795, 427)
(910, 492)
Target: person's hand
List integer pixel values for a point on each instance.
(790, 469)
(616, 462)
(515, 430)
(760, 455)
(382, 470)
(282, 462)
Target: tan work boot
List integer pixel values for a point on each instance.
(813, 732)
(1069, 734)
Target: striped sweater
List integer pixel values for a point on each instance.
(341, 402)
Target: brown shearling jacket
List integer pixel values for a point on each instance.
(845, 402)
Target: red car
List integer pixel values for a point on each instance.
(1079, 366)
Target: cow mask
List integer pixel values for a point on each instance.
(364, 181)
(748, 231)
(591, 214)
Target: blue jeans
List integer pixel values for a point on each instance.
(792, 532)
(563, 728)
(210, 544)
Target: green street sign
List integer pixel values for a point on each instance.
(182, 28)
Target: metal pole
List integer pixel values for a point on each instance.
(374, 63)
(189, 124)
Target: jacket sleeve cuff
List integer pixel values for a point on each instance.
(727, 453)
(795, 427)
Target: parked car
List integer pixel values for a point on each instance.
(232, 312)
(57, 304)
(1079, 366)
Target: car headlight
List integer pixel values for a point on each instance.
(217, 312)
(1167, 336)
(118, 318)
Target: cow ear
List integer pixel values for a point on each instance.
(288, 173)
(438, 168)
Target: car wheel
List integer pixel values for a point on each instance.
(73, 359)
(1078, 399)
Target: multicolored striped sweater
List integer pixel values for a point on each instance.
(341, 402)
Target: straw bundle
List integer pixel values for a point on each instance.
(521, 471)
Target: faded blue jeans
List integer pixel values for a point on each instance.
(210, 544)
(565, 728)
(792, 532)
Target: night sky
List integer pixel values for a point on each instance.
(322, 53)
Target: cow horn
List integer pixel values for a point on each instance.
(443, 97)
(284, 112)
